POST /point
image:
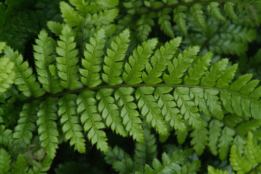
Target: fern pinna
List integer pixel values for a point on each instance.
(94, 78)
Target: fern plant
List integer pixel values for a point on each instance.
(133, 87)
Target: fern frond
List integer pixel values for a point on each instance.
(5, 161)
(164, 22)
(179, 17)
(25, 79)
(47, 127)
(93, 60)
(91, 119)
(71, 17)
(113, 62)
(26, 123)
(5, 136)
(55, 27)
(225, 142)
(211, 170)
(21, 166)
(238, 162)
(144, 26)
(115, 154)
(7, 75)
(215, 11)
(150, 110)
(146, 151)
(197, 13)
(109, 111)
(214, 135)
(68, 71)
(71, 122)
(129, 113)
(132, 69)
(159, 61)
(44, 56)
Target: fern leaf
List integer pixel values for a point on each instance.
(225, 141)
(164, 22)
(44, 56)
(55, 27)
(144, 26)
(213, 103)
(47, 128)
(179, 17)
(70, 122)
(198, 69)
(252, 149)
(21, 166)
(67, 60)
(180, 65)
(150, 110)
(26, 123)
(168, 107)
(227, 77)
(109, 111)
(7, 75)
(197, 13)
(129, 114)
(159, 61)
(81, 5)
(71, 17)
(215, 11)
(132, 69)
(91, 119)
(115, 154)
(238, 162)
(187, 107)
(113, 62)
(200, 137)
(102, 18)
(5, 136)
(145, 152)
(247, 126)
(5, 161)
(108, 4)
(181, 136)
(25, 79)
(199, 99)
(93, 60)
(211, 170)
(229, 9)
(214, 134)
(214, 73)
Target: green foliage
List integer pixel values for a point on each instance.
(132, 86)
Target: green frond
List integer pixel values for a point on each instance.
(47, 127)
(7, 75)
(169, 108)
(129, 114)
(253, 149)
(225, 142)
(25, 79)
(108, 4)
(187, 107)
(66, 62)
(91, 119)
(21, 166)
(93, 60)
(70, 122)
(179, 65)
(146, 151)
(197, 13)
(150, 110)
(159, 61)
(5, 162)
(211, 170)
(164, 22)
(115, 154)
(109, 111)
(215, 128)
(200, 137)
(44, 56)
(82, 6)
(136, 62)
(179, 17)
(71, 17)
(113, 62)
(238, 162)
(144, 26)
(5, 136)
(214, 9)
(229, 9)
(55, 27)
(26, 123)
